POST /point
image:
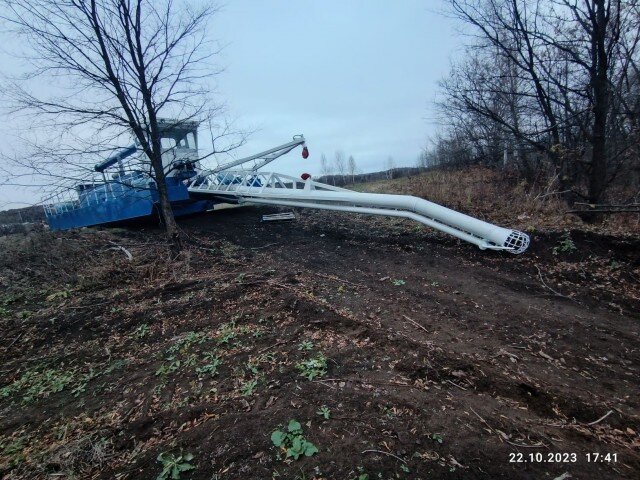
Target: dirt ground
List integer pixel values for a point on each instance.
(401, 352)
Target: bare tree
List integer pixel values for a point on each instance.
(352, 167)
(549, 76)
(340, 163)
(128, 61)
(389, 165)
(325, 168)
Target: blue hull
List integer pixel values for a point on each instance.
(109, 203)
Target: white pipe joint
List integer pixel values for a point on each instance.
(478, 232)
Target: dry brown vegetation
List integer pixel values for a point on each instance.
(504, 198)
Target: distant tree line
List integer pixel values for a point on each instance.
(32, 214)
(382, 175)
(548, 88)
(343, 170)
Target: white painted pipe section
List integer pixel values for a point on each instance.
(279, 189)
(439, 215)
(482, 244)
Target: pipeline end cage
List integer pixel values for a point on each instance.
(517, 242)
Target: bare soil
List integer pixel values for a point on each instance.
(442, 361)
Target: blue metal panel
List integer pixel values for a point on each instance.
(132, 204)
(192, 207)
(114, 202)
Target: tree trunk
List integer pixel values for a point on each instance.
(600, 85)
(166, 212)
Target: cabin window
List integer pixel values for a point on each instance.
(190, 141)
(167, 143)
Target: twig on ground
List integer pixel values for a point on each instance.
(601, 418)
(415, 323)
(367, 382)
(482, 420)
(331, 277)
(264, 246)
(502, 437)
(15, 339)
(606, 210)
(541, 445)
(538, 197)
(385, 453)
(80, 307)
(146, 244)
(270, 347)
(456, 385)
(556, 293)
(327, 384)
(502, 352)
(124, 250)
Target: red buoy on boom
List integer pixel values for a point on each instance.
(305, 152)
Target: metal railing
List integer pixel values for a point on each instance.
(91, 193)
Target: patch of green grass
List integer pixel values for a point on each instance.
(191, 360)
(157, 390)
(324, 412)
(84, 381)
(39, 383)
(34, 384)
(248, 387)
(115, 365)
(292, 441)
(257, 333)
(362, 474)
(11, 298)
(211, 367)
(565, 245)
(62, 294)
(253, 367)
(12, 449)
(187, 341)
(313, 367)
(306, 345)
(171, 365)
(174, 465)
(91, 374)
(229, 332)
(181, 354)
(226, 333)
(142, 331)
(398, 282)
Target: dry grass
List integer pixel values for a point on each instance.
(500, 198)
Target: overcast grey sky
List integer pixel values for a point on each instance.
(360, 76)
